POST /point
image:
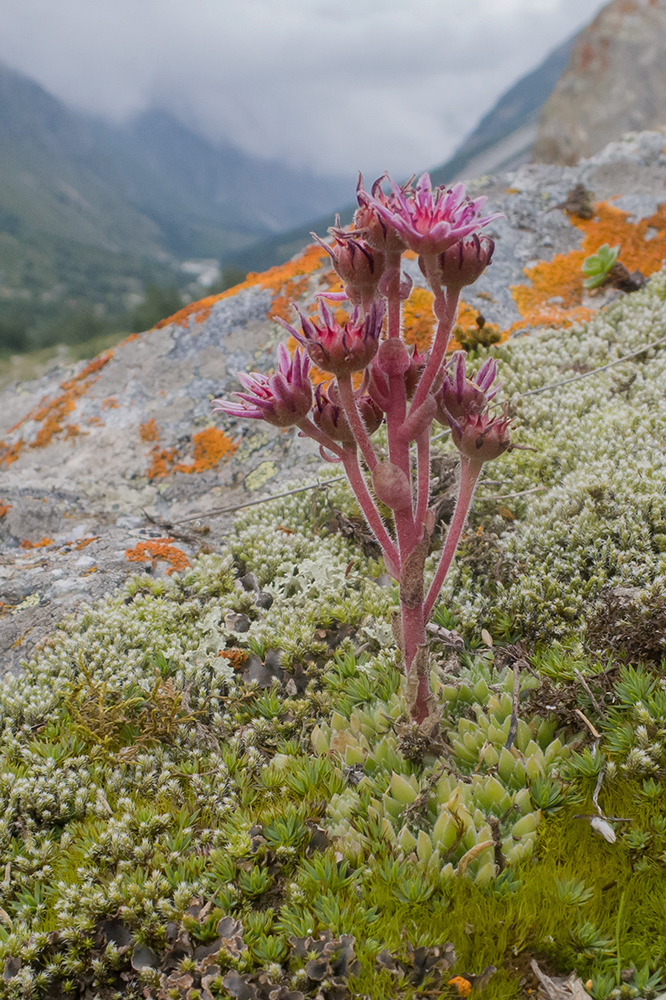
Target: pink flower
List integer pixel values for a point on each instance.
(358, 265)
(464, 262)
(428, 220)
(282, 399)
(459, 397)
(463, 405)
(341, 350)
(330, 417)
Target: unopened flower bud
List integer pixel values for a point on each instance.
(458, 397)
(393, 357)
(357, 264)
(481, 439)
(329, 415)
(340, 349)
(392, 486)
(463, 263)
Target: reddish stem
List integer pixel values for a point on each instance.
(348, 400)
(312, 431)
(445, 307)
(423, 475)
(367, 505)
(469, 476)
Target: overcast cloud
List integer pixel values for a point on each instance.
(330, 84)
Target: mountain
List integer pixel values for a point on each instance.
(91, 212)
(503, 138)
(615, 82)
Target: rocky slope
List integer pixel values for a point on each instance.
(117, 464)
(615, 82)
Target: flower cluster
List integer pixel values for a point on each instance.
(405, 390)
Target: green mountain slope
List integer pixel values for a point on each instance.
(90, 212)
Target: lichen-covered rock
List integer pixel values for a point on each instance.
(615, 82)
(117, 464)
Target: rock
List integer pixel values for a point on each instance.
(117, 466)
(615, 82)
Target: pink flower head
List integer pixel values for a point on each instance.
(459, 397)
(341, 350)
(481, 438)
(370, 224)
(282, 399)
(329, 415)
(464, 262)
(356, 263)
(428, 220)
(463, 405)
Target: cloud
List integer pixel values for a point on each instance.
(330, 84)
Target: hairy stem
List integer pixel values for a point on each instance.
(348, 401)
(468, 480)
(445, 307)
(370, 512)
(312, 431)
(423, 475)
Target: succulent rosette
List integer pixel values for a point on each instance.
(283, 398)
(341, 349)
(428, 220)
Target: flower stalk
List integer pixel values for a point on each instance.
(407, 390)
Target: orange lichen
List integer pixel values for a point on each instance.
(95, 422)
(274, 279)
(210, 447)
(149, 431)
(85, 542)
(463, 985)
(159, 549)
(555, 295)
(52, 413)
(290, 292)
(236, 657)
(72, 430)
(42, 543)
(5, 509)
(129, 339)
(418, 319)
(110, 403)
(161, 463)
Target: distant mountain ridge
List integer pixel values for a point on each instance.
(501, 141)
(93, 211)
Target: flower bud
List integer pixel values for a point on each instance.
(356, 264)
(463, 263)
(393, 357)
(344, 349)
(481, 439)
(392, 486)
(330, 417)
(458, 396)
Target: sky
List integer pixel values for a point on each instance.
(330, 85)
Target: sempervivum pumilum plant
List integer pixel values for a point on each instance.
(407, 390)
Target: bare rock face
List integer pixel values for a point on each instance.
(117, 466)
(615, 83)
